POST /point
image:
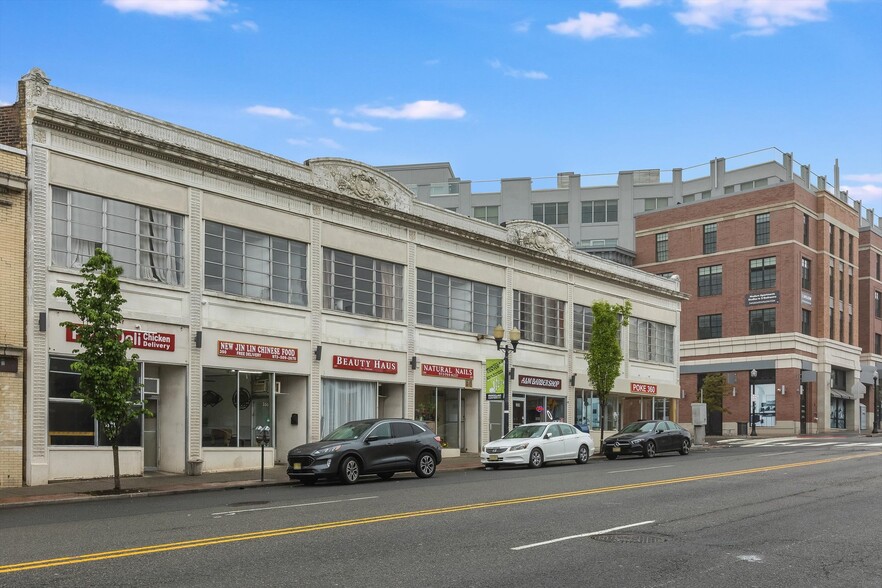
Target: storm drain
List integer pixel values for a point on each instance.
(630, 538)
(251, 503)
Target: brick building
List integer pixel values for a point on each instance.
(782, 280)
(13, 186)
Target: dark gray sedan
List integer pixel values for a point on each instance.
(375, 446)
(648, 438)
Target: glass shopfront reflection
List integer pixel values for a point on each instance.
(234, 403)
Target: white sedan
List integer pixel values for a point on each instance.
(535, 444)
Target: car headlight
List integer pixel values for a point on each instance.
(325, 450)
(518, 447)
(636, 441)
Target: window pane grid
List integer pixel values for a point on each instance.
(539, 319)
(363, 285)
(651, 341)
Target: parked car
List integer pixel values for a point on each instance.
(538, 443)
(648, 438)
(374, 446)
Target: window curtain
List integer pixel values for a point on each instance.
(344, 401)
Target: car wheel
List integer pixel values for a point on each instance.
(536, 458)
(610, 456)
(308, 481)
(649, 450)
(684, 449)
(386, 475)
(425, 465)
(583, 455)
(349, 470)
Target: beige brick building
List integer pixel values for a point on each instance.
(13, 186)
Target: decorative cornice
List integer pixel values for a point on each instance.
(538, 237)
(358, 180)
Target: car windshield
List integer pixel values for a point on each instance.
(639, 428)
(348, 432)
(528, 432)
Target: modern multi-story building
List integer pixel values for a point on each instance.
(781, 301)
(260, 291)
(13, 186)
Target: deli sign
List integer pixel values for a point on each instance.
(644, 388)
(256, 351)
(537, 382)
(361, 364)
(447, 371)
(139, 339)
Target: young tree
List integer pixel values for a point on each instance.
(713, 387)
(604, 353)
(108, 379)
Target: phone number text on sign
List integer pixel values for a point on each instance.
(256, 351)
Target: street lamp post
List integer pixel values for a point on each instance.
(507, 347)
(876, 405)
(752, 403)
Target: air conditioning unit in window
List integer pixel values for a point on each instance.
(151, 385)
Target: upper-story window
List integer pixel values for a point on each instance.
(600, 211)
(710, 280)
(363, 285)
(762, 228)
(661, 247)
(540, 319)
(805, 229)
(651, 341)
(877, 304)
(146, 242)
(841, 243)
(762, 273)
(655, 203)
(710, 326)
(552, 213)
(456, 303)
(762, 321)
(247, 263)
(851, 248)
(583, 322)
(806, 274)
(487, 213)
(444, 189)
(832, 239)
(710, 238)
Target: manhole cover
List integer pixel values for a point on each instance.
(630, 538)
(252, 503)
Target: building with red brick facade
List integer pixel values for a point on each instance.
(783, 300)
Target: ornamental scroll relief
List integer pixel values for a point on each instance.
(359, 181)
(538, 237)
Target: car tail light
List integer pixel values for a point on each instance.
(438, 438)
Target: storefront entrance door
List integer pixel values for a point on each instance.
(518, 411)
(151, 433)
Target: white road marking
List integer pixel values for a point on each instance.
(232, 512)
(820, 444)
(639, 469)
(604, 532)
(751, 558)
(779, 453)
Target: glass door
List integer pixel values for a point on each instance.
(151, 432)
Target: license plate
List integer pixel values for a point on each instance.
(617, 449)
(295, 466)
(492, 458)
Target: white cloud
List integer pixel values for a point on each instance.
(248, 26)
(522, 26)
(870, 196)
(872, 178)
(757, 17)
(316, 142)
(199, 9)
(635, 3)
(274, 112)
(419, 110)
(593, 26)
(432, 62)
(354, 126)
(518, 73)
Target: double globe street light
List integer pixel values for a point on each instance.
(507, 346)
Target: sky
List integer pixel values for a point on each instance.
(498, 88)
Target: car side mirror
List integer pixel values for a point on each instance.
(548, 435)
(371, 439)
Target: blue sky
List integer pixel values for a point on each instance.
(500, 88)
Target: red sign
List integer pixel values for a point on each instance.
(255, 351)
(644, 388)
(537, 382)
(139, 339)
(361, 364)
(447, 371)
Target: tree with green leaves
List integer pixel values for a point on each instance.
(712, 390)
(604, 353)
(108, 378)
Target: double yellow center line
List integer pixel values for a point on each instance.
(194, 543)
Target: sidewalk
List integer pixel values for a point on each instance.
(159, 483)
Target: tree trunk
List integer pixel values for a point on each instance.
(116, 485)
(602, 419)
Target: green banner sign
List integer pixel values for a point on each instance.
(494, 386)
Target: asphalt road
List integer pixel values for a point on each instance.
(799, 515)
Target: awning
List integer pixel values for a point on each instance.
(841, 394)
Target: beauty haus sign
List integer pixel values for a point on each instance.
(362, 364)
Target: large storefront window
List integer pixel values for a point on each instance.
(234, 403)
(441, 409)
(147, 243)
(344, 401)
(71, 421)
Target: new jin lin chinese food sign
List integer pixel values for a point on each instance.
(256, 351)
